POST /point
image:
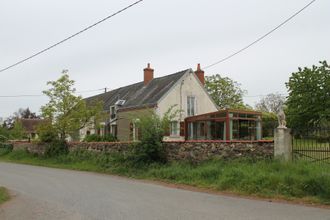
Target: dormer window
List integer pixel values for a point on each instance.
(120, 102)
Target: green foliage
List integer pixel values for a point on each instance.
(16, 132)
(99, 138)
(56, 148)
(308, 103)
(68, 112)
(4, 133)
(47, 133)
(150, 148)
(225, 92)
(269, 123)
(5, 148)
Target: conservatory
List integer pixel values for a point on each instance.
(227, 125)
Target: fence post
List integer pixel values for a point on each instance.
(283, 144)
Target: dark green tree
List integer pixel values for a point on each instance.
(308, 103)
(226, 92)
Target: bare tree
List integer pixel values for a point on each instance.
(271, 103)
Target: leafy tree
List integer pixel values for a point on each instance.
(271, 103)
(17, 132)
(226, 92)
(308, 103)
(14, 130)
(68, 112)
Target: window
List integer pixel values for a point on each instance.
(113, 112)
(120, 102)
(191, 105)
(174, 128)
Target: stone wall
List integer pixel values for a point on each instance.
(29, 146)
(99, 147)
(182, 150)
(203, 150)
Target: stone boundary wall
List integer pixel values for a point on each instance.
(203, 150)
(180, 150)
(99, 147)
(29, 146)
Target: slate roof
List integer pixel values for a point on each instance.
(137, 95)
(30, 125)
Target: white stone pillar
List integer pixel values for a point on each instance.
(283, 144)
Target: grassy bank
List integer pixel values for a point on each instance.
(271, 179)
(4, 196)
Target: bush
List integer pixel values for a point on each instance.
(56, 148)
(5, 148)
(47, 133)
(99, 138)
(150, 148)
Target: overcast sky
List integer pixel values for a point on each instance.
(172, 35)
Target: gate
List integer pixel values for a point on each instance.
(311, 145)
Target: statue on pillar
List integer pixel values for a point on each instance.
(281, 118)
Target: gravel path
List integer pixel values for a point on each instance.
(46, 193)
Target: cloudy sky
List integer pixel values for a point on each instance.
(172, 35)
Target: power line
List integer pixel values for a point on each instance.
(71, 36)
(40, 95)
(252, 96)
(262, 37)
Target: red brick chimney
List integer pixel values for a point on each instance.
(200, 74)
(148, 74)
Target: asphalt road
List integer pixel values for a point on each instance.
(46, 193)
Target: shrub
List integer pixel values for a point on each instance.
(150, 148)
(5, 148)
(56, 148)
(47, 133)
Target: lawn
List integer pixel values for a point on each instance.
(4, 196)
(301, 181)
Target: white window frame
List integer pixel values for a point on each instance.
(174, 129)
(191, 105)
(113, 107)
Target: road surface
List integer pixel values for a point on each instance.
(47, 193)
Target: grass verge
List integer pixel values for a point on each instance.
(301, 181)
(4, 195)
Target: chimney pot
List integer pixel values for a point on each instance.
(200, 74)
(148, 74)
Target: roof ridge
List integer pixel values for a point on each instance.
(113, 90)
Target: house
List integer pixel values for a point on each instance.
(30, 126)
(184, 90)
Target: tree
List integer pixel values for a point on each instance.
(152, 128)
(271, 103)
(67, 112)
(308, 103)
(225, 92)
(26, 114)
